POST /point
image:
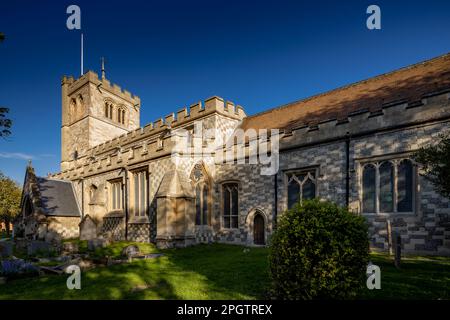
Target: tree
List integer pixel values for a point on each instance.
(10, 195)
(5, 123)
(435, 160)
(318, 251)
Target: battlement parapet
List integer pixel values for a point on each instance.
(121, 157)
(102, 84)
(182, 117)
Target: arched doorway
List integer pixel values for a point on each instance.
(27, 207)
(258, 230)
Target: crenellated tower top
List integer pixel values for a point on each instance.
(94, 111)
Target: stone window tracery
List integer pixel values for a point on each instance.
(300, 185)
(388, 186)
(201, 182)
(230, 206)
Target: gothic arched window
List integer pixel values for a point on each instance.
(205, 204)
(388, 187)
(230, 207)
(28, 207)
(201, 182)
(369, 188)
(301, 185)
(198, 206)
(405, 186)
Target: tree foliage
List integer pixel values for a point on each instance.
(318, 251)
(5, 123)
(435, 160)
(10, 194)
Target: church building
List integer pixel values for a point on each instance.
(353, 146)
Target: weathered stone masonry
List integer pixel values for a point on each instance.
(136, 186)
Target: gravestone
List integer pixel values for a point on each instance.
(70, 247)
(88, 228)
(53, 237)
(398, 249)
(94, 244)
(6, 249)
(131, 251)
(41, 247)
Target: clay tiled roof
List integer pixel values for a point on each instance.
(408, 84)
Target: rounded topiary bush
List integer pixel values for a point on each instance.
(318, 251)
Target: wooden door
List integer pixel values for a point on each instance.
(258, 230)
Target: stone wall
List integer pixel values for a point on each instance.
(65, 227)
(427, 230)
(394, 131)
(256, 191)
(101, 131)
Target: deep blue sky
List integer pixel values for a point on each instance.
(174, 53)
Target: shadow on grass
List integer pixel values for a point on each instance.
(201, 272)
(418, 278)
(220, 271)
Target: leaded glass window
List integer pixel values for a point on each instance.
(405, 186)
(301, 185)
(140, 193)
(230, 205)
(388, 186)
(369, 188)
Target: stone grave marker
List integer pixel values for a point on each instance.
(36, 246)
(6, 249)
(131, 251)
(88, 228)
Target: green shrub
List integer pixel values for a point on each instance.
(318, 251)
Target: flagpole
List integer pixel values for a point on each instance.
(82, 54)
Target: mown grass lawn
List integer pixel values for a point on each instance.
(418, 278)
(218, 271)
(202, 272)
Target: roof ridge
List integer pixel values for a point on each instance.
(341, 88)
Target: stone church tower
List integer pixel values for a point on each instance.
(93, 111)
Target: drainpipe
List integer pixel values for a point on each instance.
(125, 201)
(275, 189)
(82, 198)
(347, 169)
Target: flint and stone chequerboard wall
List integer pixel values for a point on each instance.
(329, 138)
